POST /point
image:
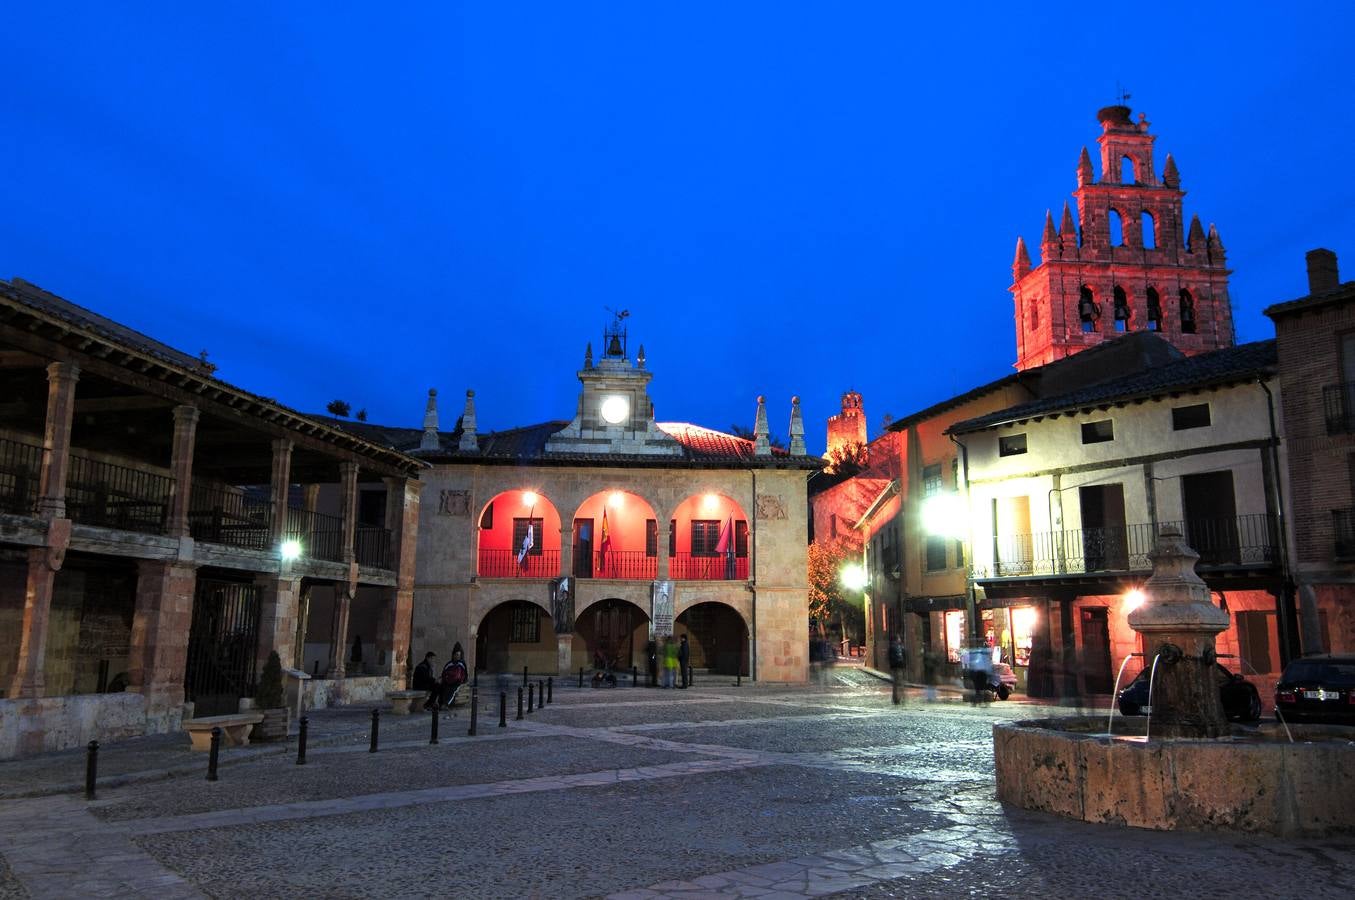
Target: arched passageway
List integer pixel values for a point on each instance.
(717, 636)
(614, 632)
(516, 634)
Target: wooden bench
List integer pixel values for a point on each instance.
(403, 702)
(234, 729)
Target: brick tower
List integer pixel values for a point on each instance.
(1131, 266)
(847, 427)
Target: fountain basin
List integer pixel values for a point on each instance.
(1252, 780)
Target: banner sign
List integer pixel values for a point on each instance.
(661, 598)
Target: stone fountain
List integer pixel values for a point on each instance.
(1197, 771)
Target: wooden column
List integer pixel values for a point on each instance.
(181, 463)
(348, 493)
(56, 441)
(277, 495)
(43, 564)
(338, 642)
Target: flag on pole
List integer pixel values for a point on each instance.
(606, 545)
(725, 546)
(527, 544)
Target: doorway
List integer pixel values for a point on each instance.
(1104, 543)
(583, 548)
(1096, 651)
(1211, 516)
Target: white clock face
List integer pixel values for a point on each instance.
(615, 409)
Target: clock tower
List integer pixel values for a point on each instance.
(614, 414)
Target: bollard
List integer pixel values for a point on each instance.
(691, 677)
(738, 678)
(580, 676)
(433, 738)
(540, 694)
(91, 768)
(531, 694)
(503, 709)
(519, 704)
(376, 728)
(303, 727)
(524, 676)
(213, 753)
(895, 687)
(474, 709)
(634, 676)
(550, 690)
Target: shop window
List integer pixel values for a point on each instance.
(1098, 432)
(520, 534)
(1011, 445)
(954, 625)
(1184, 417)
(526, 628)
(1023, 633)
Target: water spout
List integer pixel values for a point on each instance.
(1115, 694)
(1148, 710)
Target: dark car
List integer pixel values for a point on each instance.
(1241, 702)
(1317, 689)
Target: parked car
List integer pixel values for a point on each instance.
(1241, 701)
(1317, 689)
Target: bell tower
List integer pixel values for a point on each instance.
(1127, 263)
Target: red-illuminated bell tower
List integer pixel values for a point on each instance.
(1131, 266)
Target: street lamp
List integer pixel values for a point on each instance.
(290, 550)
(853, 577)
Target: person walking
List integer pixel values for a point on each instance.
(684, 655)
(425, 680)
(670, 662)
(898, 660)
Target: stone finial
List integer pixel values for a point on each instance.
(1195, 241)
(1020, 265)
(1050, 235)
(1170, 176)
(761, 446)
(469, 443)
(1067, 227)
(1215, 242)
(1084, 168)
(640, 357)
(429, 441)
(797, 424)
(588, 356)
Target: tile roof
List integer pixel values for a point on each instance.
(1229, 365)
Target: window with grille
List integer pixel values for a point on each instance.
(526, 624)
(740, 539)
(651, 537)
(931, 480)
(520, 532)
(705, 536)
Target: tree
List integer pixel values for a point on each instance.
(849, 459)
(828, 599)
(361, 415)
(338, 408)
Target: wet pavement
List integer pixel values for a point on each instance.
(716, 791)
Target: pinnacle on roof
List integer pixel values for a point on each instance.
(1195, 242)
(1084, 168)
(761, 445)
(1067, 227)
(1170, 176)
(1050, 235)
(797, 424)
(1020, 266)
(429, 440)
(469, 443)
(1215, 242)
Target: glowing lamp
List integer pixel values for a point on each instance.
(853, 577)
(1133, 600)
(291, 550)
(616, 500)
(710, 502)
(944, 515)
(529, 498)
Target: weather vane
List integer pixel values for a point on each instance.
(1121, 94)
(617, 316)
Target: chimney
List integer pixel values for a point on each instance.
(1322, 272)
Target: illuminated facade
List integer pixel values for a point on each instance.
(568, 544)
(1128, 263)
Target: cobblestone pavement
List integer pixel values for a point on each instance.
(716, 791)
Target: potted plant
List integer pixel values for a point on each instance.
(269, 700)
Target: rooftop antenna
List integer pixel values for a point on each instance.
(1121, 95)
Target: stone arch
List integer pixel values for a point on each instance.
(1115, 228)
(717, 633)
(1122, 310)
(1186, 304)
(615, 534)
(698, 548)
(513, 634)
(612, 630)
(502, 529)
(1148, 229)
(1087, 309)
(1128, 170)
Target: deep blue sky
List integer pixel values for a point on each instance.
(362, 201)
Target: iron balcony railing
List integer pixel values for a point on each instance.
(504, 564)
(1239, 541)
(222, 514)
(373, 546)
(112, 496)
(1338, 402)
(623, 564)
(1343, 530)
(20, 473)
(695, 567)
(320, 536)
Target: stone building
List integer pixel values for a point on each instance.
(1316, 340)
(571, 543)
(144, 506)
(1127, 263)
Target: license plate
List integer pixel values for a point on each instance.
(1322, 695)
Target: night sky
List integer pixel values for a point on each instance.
(361, 201)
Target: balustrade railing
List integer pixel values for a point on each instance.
(504, 564)
(320, 536)
(20, 473)
(113, 496)
(373, 546)
(1236, 541)
(693, 567)
(625, 564)
(222, 514)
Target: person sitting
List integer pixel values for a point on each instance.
(453, 676)
(424, 680)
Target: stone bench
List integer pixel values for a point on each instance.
(234, 729)
(404, 702)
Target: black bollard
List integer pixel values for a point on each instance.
(550, 690)
(738, 678)
(376, 728)
(433, 738)
(91, 768)
(540, 694)
(634, 676)
(691, 677)
(519, 704)
(531, 694)
(580, 676)
(303, 728)
(213, 753)
(896, 687)
(524, 676)
(503, 709)
(474, 709)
